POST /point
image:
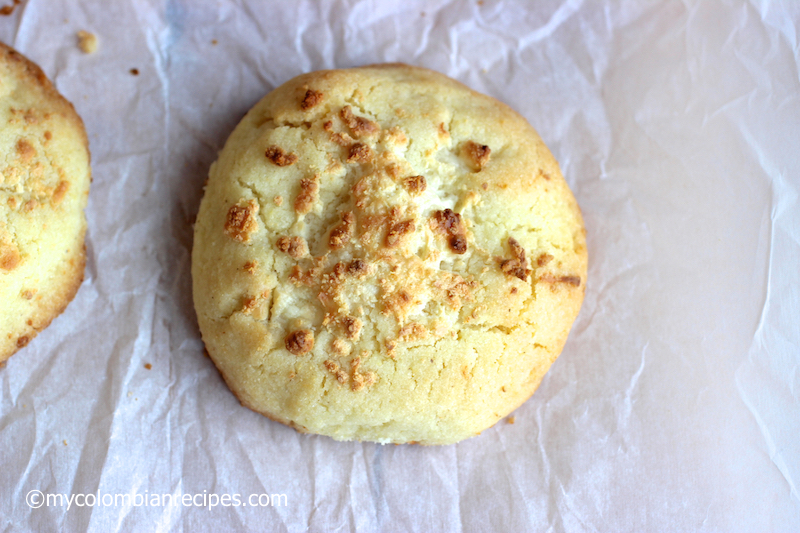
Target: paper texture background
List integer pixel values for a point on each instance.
(675, 405)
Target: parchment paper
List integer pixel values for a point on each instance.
(675, 405)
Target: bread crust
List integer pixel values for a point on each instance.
(430, 254)
(44, 183)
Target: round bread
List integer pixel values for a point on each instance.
(44, 184)
(383, 254)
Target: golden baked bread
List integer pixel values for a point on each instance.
(44, 185)
(383, 254)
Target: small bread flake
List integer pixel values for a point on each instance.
(87, 42)
(357, 268)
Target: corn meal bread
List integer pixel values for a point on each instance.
(44, 184)
(383, 254)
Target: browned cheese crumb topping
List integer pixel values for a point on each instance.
(415, 185)
(360, 126)
(300, 342)
(308, 195)
(341, 234)
(398, 231)
(296, 247)
(517, 266)
(278, 157)
(359, 153)
(310, 99)
(450, 223)
(476, 154)
(241, 220)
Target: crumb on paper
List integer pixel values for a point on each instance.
(65, 442)
(511, 419)
(7, 10)
(148, 366)
(214, 42)
(134, 71)
(87, 42)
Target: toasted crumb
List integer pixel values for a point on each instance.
(308, 195)
(413, 331)
(352, 327)
(517, 266)
(310, 99)
(357, 268)
(134, 71)
(148, 366)
(449, 223)
(340, 347)
(511, 419)
(278, 200)
(341, 234)
(249, 305)
(361, 127)
(250, 267)
(543, 259)
(300, 342)
(415, 185)
(279, 157)
(477, 154)
(359, 153)
(241, 220)
(398, 231)
(87, 42)
(296, 247)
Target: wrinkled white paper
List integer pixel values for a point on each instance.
(675, 405)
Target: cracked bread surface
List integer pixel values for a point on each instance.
(44, 185)
(420, 277)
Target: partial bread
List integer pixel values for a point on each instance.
(44, 183)
(383, 254)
